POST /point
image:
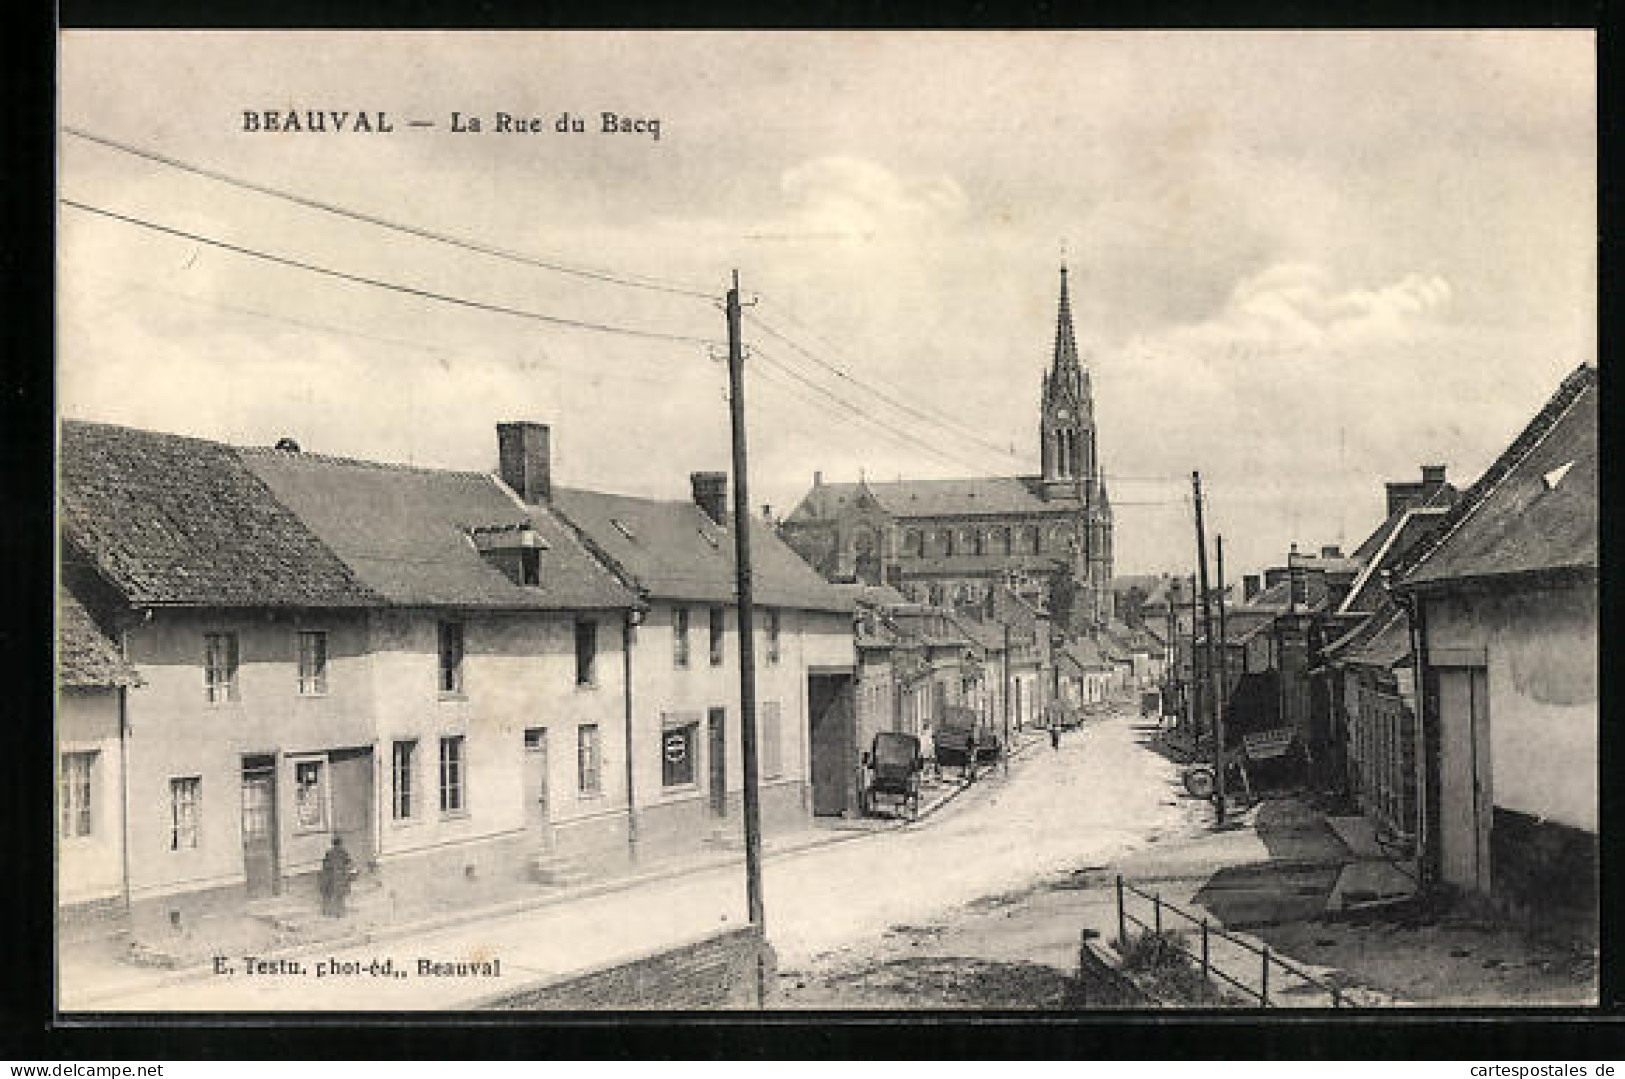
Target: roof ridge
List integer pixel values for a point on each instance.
(1544, 422)
(360, 462)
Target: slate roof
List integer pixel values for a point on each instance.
(175, 521)
(1511, 521)
(1409, 526)
(405, 532)
(1242, 624)
(977, 496)
(86, 656)
(672, 550)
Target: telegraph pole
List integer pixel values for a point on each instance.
(1224, 652)
(1213, 671)
(747, 637)
(1193, 691)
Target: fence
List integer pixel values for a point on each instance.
(1211, 966)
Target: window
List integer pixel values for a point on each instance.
(530, 566)
(586, 652)
(677, 743)
(404, 762)
(947, 541)
(679, 630)
(185, 795)
(312, 663)
(451, 657)
(716, 636)
(220, 667)
(913, 542)
(451, 774)
(772, 741)
(773, 628)
(310, 795)
(589, 759)
(75, 787)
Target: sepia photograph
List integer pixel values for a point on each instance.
(1049, 522)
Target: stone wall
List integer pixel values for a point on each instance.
(719, 970)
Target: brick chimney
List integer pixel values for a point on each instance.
(1331, 551)
(1403, 496)
(524, 461)
(711, 494)
(1250, 586)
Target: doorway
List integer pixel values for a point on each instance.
(1465, 797)
(832, 724)
(261, 872)
(538, 811)
(716, 722)
(352, 801)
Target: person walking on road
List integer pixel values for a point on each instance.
(1055, 735)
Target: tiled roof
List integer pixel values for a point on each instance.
(177, 521)
(1085, 655)
(672, 550)
(995, 496)
(405, 531)
(869, 595)
(1276, 598)
(1410, 526)
(86, 656)
(1534, 509)
(1381, 640)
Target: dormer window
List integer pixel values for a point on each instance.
(530, 566)
(515, 549)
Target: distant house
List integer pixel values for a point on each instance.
(1504, 598)
(679, 558)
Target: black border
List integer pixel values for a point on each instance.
(27, 419)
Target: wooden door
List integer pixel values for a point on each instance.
(538, 813)
(716, 722)
(833, 742)
(1465, 804)
(260, 868)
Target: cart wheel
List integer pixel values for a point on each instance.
(1199, 782)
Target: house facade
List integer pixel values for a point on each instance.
(1503, 602)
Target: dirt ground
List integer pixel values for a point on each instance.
(1425, 959)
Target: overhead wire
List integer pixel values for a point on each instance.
(409, 290)
(628, 280)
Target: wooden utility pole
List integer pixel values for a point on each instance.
(1213, 670)
(1193, 691)
(1224, 646)
(747, 636)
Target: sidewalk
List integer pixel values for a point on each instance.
(92, 974)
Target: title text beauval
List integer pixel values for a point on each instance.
(344, 121)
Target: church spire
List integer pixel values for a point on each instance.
(1066, 345)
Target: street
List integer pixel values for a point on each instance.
(1098, 798)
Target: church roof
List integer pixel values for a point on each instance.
(972, 497)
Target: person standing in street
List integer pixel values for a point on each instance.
(337, 870)
(1055, 734)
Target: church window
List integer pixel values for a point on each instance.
(981, 542)
(1001, 541)
(947, 539)
(968, 542)
(912, 542)
(1030, 539)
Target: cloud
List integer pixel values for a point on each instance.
(1301, 304)
(852, 195)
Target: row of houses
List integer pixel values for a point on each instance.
(457, 672)
(1443, 676)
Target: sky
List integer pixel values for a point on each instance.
(1301, 263)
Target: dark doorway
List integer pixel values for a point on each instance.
(352, 801)
(716, 721)
(832, 720)
(260, 868)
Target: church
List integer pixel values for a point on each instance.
(955, 541)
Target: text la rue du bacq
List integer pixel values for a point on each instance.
(381, 122)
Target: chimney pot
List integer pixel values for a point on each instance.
(524, 459)
(711, 494)
(818, 479)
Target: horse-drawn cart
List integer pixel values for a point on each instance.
(891, 772)
(964, 740)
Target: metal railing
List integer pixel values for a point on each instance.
(1211, 969)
